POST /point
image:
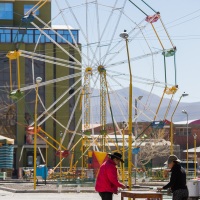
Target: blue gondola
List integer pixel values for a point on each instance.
(136, 150)
(157, 124)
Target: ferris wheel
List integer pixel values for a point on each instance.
(98, 64)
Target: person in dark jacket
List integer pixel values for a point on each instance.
(177, 182)
(107, 182)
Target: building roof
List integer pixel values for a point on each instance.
(192, 150)
(67, 27)
(193, 121)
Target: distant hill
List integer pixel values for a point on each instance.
(119, 104)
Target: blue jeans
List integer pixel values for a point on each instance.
(106, 195)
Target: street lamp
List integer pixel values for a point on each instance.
(171, 124)
(125, 36)
(123, 150)
(38, 80)
(46, 160)
(195, 156)
(186, 113)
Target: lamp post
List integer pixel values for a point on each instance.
(125, 36)
(195, 156)
(136, 130)
(171, 124)
(60, 156)
(46, 151)
(82, 160)
(123, 150)
(38, 80)
(186, 113)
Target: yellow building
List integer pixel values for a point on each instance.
(16, 115)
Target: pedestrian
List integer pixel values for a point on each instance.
(177, 182)
(107, 182)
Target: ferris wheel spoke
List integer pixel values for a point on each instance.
(103, 32)
(82, 31)
(115, 122)
(98, 28)
(126, 76)
(37, 55)
(152, 53)
(51, 115)
(120, 42)
(58, 107)
(52, 62)
(134, 58)
(58, 45)
(117, 98)
(52, 81)
(114, 31)
(140, 112)
(59, 35)
(139, 79)
(124, 45)
(88, 53)
(57, 100)
(75, 132)
(72, 115)
(83, 56)
(136, 97)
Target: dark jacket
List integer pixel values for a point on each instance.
(178, 178)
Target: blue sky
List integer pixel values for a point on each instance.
(182, 19)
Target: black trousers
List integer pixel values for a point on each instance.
(181, 194)
(106, 195)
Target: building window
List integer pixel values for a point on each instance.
(183, 131)
(32, 36)
(6, 11)
(29, 7)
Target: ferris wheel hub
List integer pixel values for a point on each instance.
(101, 69)
(88, 70)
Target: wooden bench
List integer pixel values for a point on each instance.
(141, 194)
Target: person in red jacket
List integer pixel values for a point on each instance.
(107, 182)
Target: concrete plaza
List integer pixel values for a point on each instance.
(4, 195)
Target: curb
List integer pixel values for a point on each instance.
(45, 191)
(8, 189)
(144, 186)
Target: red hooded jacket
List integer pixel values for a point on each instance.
(107, 178)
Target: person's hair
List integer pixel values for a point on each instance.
(175, 162)
(112, 157)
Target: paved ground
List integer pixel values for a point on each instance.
(51, 196)
(24, 191)
(55, 196)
